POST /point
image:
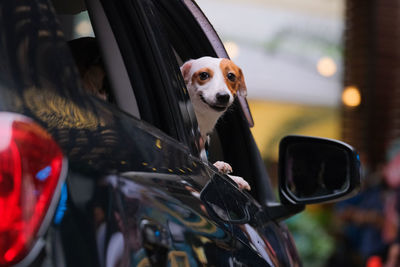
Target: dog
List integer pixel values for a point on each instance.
(212, 84)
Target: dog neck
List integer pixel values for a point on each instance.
(207, 121)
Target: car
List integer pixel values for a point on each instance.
(90, 182)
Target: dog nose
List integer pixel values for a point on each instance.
(222, 98)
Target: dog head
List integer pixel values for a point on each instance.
(212, 84)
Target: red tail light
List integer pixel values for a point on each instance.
(30, 168)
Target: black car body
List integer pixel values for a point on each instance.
(123, 183)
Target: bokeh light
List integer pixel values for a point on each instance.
(326, 66)
(351, 96)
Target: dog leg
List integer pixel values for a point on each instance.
(240, 182)
(225, 168)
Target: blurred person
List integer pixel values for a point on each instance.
(361, 220)
(391, 231)
(86, 54)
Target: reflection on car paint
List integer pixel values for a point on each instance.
(172, 225)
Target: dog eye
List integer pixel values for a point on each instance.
(204, 76)
(231, 77)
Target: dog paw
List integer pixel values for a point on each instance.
(223, 167)
(242, 184)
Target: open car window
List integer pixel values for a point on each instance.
(231, 141)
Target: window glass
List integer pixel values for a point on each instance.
(150, 63)
(76, 26)
(171, 88)
(86, 53)
(93, 44)
(147, 60)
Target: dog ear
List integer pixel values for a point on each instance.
(242, 85)
(185, 69)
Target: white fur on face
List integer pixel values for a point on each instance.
(215, 84)
(209, 88)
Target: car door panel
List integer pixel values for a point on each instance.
(169, 219)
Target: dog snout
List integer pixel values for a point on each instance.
(222, 98)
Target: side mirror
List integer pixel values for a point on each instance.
(314, 170)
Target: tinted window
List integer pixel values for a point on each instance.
(162, 98)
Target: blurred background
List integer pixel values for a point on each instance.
(326, 68)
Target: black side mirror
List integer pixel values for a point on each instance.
(314, 170)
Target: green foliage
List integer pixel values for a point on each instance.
(313, 242)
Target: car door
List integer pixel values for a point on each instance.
(132, 187)
(160, 196)
(191, 36)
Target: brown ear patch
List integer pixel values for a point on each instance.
(238, 85)
(199, 76)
